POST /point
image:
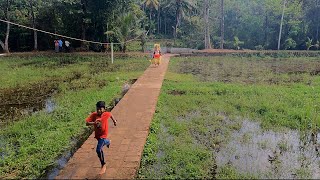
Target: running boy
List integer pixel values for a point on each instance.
(99, 120)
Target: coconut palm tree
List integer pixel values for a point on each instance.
(151, 4)
(181, 7)
(128, 25)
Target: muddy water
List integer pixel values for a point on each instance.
(11, 112)
(23, 101)
(269, 154)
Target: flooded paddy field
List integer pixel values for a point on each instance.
(44, 101)
(236, 117)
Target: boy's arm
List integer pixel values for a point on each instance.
(114, 120)
(89, 121)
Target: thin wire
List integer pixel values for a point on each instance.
(46, 32)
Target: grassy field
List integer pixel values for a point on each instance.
(204, 102)
(30, 144)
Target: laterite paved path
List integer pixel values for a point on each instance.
(134, 114)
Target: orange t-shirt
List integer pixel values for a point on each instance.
(103, 131)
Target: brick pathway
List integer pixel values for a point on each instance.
(134, 114)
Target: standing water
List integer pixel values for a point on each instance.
(269, 154)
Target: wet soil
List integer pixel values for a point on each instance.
(176, 92)
(250, 71)
(23, 101)
(250, 53)
(269, 154)
(76, 143)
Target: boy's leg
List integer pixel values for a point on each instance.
(99, 151)
(103, 165)
(107, 142)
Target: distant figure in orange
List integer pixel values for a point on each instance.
(156, 58)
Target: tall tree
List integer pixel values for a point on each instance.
(128, 25)
(222, 24)
(6, 12)
(281, 23)
(181, 8)
(33, 7)
(207, 43)
(85, 21)
(151, 4)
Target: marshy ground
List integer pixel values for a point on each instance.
(44, 101)
(236, 117)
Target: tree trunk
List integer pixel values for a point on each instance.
(159, 18)
(318, 7)
(178, 4)
(279, 40)
(1, 44)
(222, 24)
(207, 43)
(266, 31)
(150, 24)
(165, 25)
(35, 35)
(6, 42)
(83, 25)
(124, 47)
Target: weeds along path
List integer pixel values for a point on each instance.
(134, 114)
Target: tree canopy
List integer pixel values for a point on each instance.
(233, 24)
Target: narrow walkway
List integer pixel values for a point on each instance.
(134, 114)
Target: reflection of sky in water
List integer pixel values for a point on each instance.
(250, 149)
(61, 164)
(49, 105)
(13, 112)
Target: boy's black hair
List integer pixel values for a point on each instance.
(101, 104)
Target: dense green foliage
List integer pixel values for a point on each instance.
(251, 24)
(203, 100)
(32, 144)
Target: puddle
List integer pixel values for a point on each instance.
(21, 101)
(49, 105)
(270, 154)
(125, 88)
(60, 163)
(12, 112)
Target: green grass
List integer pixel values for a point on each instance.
(198, 109)
(31, 145)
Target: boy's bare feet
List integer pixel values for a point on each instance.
(103, 169)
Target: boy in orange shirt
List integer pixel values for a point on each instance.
(99, 120)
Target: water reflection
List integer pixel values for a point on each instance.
(270, 154)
